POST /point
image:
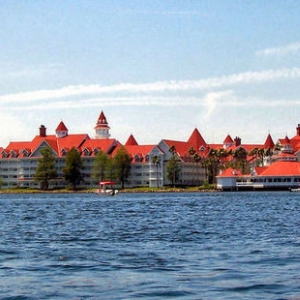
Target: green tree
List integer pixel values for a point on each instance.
(173, 167)
(197, 160)
(122, 165)
(240, 159)
(46, 168)
(156, 161)
(254, 154)
(192, 151)
(213, 163)
(72, 170)
(101, 166)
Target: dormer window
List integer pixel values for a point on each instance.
(4, 154)
(137, 158)
(63, 152)
(13, 154)
(86, 152)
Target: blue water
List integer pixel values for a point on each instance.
(150, 246)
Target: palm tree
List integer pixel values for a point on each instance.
(240, 157)
(173, 166)
(197, 159)
(156, 161)
(213, 165)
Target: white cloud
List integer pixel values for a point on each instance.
(211, 101)
(33, 71)
(13, 128)
(281, 51)
(134, 93)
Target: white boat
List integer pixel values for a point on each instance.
(295, 189)
(106, 188)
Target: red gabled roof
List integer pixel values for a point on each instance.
(182, 148)
(58, 144)
(140, 150)
(285, 141)
(295, 141)
(196, 140)
(269, 142)
(131, 141)
(228, 140)
(106, 145)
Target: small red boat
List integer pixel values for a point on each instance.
(106, 188)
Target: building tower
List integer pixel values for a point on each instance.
(102, 128)
(61, 130)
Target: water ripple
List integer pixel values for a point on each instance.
(150, 246)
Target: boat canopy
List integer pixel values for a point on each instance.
(106, 183)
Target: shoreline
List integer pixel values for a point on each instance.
(93, 191)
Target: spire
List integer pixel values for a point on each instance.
(228, 142)
(269, 142)
(61, 130)
(196, 140)
(102, 128)
(131, 141)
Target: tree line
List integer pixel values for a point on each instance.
(105, 167)
(219, 159)
(117, 168)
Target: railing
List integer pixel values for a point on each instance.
(249, 184)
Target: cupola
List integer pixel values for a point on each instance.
(61, 130)
(102, 128)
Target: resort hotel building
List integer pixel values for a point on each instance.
(269, 164)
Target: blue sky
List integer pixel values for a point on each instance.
(157, 69)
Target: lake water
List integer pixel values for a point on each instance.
(150, 246)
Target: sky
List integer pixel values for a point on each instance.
(158, 69)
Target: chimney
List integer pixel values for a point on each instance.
(43, 131)
(237, 141)
(298, 130)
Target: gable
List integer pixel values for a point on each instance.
(37, 150)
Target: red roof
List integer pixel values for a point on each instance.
(259, 170)
(285, 141)
(269, 142)
(57, 144)
(106, 145)
(230, 172)
(131, 141)
(196, 140)
(281, 168)
(101, 122)
(228, 140)
(182, 148)
(295, 141)
(61, 127)
(17, 146)
(140, 150)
